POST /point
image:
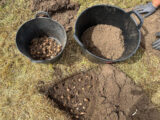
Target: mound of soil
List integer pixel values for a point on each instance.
(63, 11)
(150, 28)
(44, 48)
(75, 95)
(51, 5)
(104, 41)
(104, 93)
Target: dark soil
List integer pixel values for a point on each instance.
(104, 41)
(104, 93)
(150, 28)
(75, 94)
(63, 11)
(44, 48)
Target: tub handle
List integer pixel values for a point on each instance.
(139, 17)
(44, 14)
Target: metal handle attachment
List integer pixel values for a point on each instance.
(138, 16)
(42, 14)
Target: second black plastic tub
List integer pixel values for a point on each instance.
(38, 27)
(110, 15)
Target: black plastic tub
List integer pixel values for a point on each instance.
(110, 15)
(38, 27)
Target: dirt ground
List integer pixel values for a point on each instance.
(150, 28)
(63, 11)
(103, 93)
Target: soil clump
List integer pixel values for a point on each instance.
(150, 28)
(104, 41)
(63, 11)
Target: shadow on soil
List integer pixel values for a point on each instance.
(143, 109)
